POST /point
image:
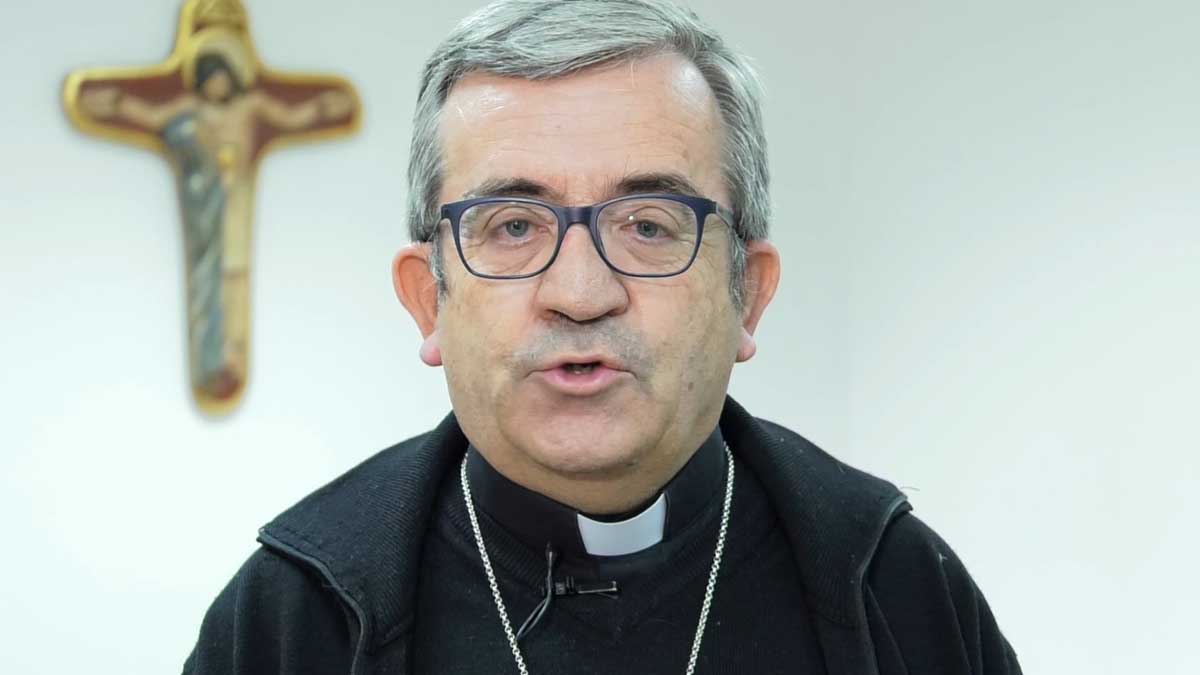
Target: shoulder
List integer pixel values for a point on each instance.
(909, 546)
(778, 449)
(271, 616)
(396, 471)
(363, 531)
(268, 579)
(926, 610)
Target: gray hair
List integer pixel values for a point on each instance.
(545, 39)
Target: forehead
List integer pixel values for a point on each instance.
(581, 134)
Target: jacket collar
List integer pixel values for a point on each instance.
(363, 532)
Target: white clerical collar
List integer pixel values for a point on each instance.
(626, 536)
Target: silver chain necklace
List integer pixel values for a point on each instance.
(709, 591)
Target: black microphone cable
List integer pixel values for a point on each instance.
(547, 596)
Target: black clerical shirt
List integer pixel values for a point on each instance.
(758, 622)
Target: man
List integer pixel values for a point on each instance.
(589, 196)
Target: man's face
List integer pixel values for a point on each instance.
(218, 86)
(668, 344)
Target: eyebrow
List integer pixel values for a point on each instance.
(638, 183)
(509, 187)
(666, 182)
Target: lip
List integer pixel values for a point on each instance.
(605, 374)
(601, 359)
(598, 380)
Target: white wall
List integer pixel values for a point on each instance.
(989, 218)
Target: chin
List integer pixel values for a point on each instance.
(584, 444)
(566, 435)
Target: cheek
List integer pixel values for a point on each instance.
(696, 330)
(481, 325)
(717, 325)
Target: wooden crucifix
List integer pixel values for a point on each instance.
(213, 109)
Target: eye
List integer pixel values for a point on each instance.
(517, 228)
(647, 229)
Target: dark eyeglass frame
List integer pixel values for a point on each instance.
(587, 216)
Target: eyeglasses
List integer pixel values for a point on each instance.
(642, 235)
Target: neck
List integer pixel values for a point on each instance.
(537, 518)
(601, 495)
(607, 493)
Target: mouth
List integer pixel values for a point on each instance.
(584, 376)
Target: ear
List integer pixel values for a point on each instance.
(762, 278)
(418, 292)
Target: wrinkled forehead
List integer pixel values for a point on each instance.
(579, 136)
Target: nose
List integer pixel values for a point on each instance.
(580, 285)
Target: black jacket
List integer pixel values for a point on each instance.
(332, 589)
